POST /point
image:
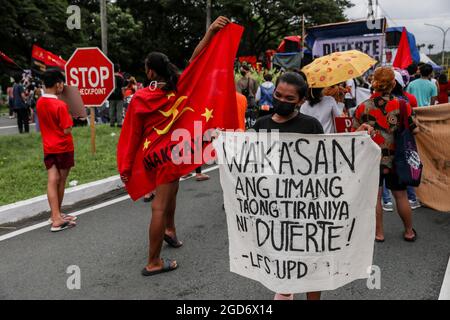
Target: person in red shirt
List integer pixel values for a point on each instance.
(242, 108)
(444, 89)
(56, 129)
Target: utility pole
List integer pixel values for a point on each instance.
(376, 9)
(208, 14)
(370, 12)
(443, 43)
(303, 36)
(104, 26)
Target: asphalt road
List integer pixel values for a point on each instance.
(110, 248)
(9, 126)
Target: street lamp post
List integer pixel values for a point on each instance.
(443, 44)
(208, 14)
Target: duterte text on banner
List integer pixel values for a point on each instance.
(300, 208)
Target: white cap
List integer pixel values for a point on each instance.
(399, 78)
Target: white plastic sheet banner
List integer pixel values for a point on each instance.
(362, 95)
(370, 45)
(300, 208)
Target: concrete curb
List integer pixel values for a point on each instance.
(30, 208)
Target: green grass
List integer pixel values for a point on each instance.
(4, 108)
(22, 170)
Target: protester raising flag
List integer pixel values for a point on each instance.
(43, 60)
(205, 99)
(403, 59)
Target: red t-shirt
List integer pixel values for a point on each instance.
(54, 118)
(412, 99)
(443, 93)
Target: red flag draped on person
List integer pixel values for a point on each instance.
(205, 99)
(403, 59)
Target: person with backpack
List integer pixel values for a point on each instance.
(116, 99)
(248, 87)
(264, 96)
(21, 108)
(382, 111)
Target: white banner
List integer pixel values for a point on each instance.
(300, 208)
(371, 45)
(362, 95)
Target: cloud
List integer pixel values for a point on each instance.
(413, 14)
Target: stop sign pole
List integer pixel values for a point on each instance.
(90, 70)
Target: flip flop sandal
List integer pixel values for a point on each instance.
(173, 242)
(380, 241)
(412, 239)
(167, 267)
(73, 218)
(64, 216)
(64, 226)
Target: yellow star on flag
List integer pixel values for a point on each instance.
(146, 144)
(208, 114)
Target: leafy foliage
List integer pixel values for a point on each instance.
(137, 27)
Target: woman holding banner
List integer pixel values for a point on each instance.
(290, 92)
(164, 79)
(381, 112)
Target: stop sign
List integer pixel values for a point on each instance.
(93, 73)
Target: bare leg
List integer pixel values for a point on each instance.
(310, 296)
(171, 230)
(53, 197)
(313, 296)
(62, 185)
(165, 195)
(405, 212)
(379, 213)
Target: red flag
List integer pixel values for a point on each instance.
(8, 62)
(403, 59)
(4, 58)
(43, 59)
(252, 60)
(206, 94)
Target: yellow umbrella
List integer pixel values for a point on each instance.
(337, 67)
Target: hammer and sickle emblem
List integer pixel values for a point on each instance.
(175, 113)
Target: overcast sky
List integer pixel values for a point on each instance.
(412, 14)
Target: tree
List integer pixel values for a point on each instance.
(430, 47)
(137, 27)
(267, 22)
(420, 46)
(124, 36)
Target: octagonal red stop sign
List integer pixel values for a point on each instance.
(93, 73)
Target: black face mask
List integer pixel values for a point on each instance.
(243, 73)
(283, 109)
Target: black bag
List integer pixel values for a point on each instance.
(251, 101)
(246, 91)
(408, 165)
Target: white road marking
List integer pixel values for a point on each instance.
(12, 127)
(81, 212)
(445, 290)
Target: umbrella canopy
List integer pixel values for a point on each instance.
(337, 67)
